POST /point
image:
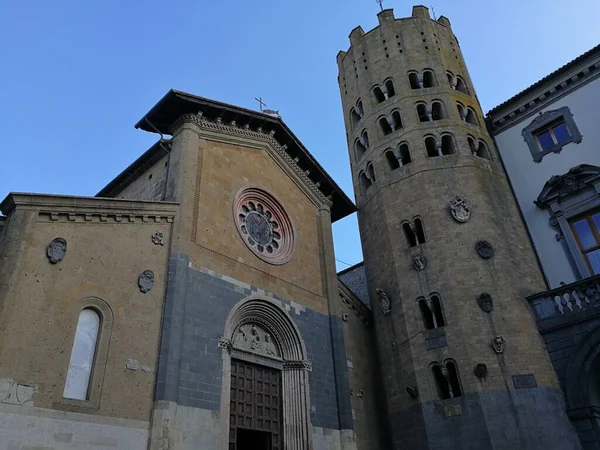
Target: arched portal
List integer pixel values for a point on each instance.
(265, 397)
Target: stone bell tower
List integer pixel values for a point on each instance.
(447, 257)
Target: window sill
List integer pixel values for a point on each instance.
(556, 149)
(72, 405)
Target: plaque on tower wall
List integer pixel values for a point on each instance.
(460, 209)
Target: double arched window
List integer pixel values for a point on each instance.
(398, 158)
(457, 82)
(367, 177)
(440, 146)
(446, 379)
(356, 113)
(478, 147)
(382, 93)
(467, 114)
(361, 145)
(431, 311)
(422, 80)
(391, 123)
(414, 232)
(430, 112)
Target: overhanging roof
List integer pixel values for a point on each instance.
(176, 103)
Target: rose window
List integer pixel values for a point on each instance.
(264, 225)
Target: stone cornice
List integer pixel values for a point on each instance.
(563, 81)
(358, 308)
(232, 128)
(90, 209)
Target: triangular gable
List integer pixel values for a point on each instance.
(558, 187)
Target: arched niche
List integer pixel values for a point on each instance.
(245, 338)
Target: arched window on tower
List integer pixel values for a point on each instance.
(371, 172)
(413, 78)
(471, 117)
(428, 79)
(413, 231)
(431, 146)
(437, 111)
(360, 149)
(431, 312)
(354, 117)
(482, 150)
(389, 87)
(359, 108)
(422, 112)
(364, 139)
(380, 94)
(385, 126)
(472, 144)
(364, 181)
(446, 379)
(462, 112)
(398, 158)
(83, 355)
(404, 154)
(448, 146)
(396, 120)
(461, 86)
(451, 79)
(392, 160)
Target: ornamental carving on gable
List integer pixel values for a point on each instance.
(264, 225)
(253, 338)
(460, 209)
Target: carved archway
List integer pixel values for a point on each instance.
(259, 331)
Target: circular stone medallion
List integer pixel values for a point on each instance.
(264, 225)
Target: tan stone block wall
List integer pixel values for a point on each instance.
(150, 185)
(40, 304)
(368, 407)
(225, 169)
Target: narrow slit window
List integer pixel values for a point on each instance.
(426, 315)
(443, 387)
(396, 120)
(82, 355)
(404, 154)
(419, 231)
(453, 380)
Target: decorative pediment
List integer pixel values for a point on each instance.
(544, 118)
(577, 179)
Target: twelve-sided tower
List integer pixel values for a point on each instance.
(447, 257)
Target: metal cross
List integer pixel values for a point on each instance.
(433, 12)
(380, 3)
(260, 103)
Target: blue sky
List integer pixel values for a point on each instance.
(76, 76)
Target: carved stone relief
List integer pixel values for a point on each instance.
(419, 262)
(158, 238)
(460, 209)
(384, 302)
(485, 302)
(56, 250)
(345, 317)
(498, 344)
(146, 281)
(485, 249)
(15, 393)
(413, 391)
(253, 338)
(481, 371)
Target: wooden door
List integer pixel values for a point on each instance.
(255, 402)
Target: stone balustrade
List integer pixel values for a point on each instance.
(568, 299)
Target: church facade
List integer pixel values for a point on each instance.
(194, 303)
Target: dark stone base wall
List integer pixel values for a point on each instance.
(190, 370)
(521, 419)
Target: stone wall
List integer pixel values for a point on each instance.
(150, 185)
(23, 428)
(109, 243)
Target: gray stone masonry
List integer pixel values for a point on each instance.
(197, 305)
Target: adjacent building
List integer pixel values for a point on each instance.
(547, 137)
